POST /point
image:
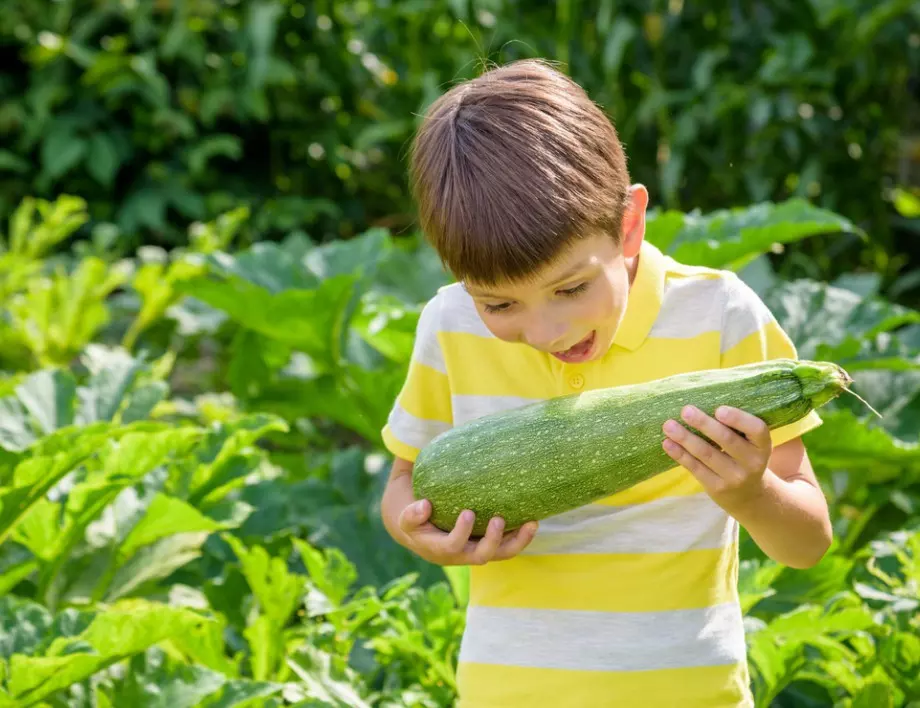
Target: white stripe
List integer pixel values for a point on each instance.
(458, 312)
(427, 348)
(467, 407)
(667, 525)
(745, 314)
(604, 641)
(690, 307)
(413, 430)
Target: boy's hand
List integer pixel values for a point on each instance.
(733, 475)
(456, 547)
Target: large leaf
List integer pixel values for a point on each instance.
(310, 320)
(836, 324)
(165, 516)
(34, 477)
(844, 442)
(156, 681)
(356, 398)
(125, 629)
(731, 238)
(51, 399)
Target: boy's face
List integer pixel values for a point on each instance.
(572, 308)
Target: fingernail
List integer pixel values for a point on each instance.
(467, 516)
(419, 507)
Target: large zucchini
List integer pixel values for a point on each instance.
(545, 458)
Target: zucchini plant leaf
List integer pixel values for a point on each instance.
(731, 238)
(121, 631)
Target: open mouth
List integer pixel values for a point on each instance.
(579, 352)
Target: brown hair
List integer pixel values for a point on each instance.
(509, 168)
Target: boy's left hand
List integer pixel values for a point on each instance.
(733, 475)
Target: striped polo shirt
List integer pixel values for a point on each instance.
(630, 601)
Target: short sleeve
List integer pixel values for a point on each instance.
(422, 409)
(751, 333)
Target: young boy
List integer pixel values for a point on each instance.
(522, 188)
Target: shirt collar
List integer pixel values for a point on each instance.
(644, 300)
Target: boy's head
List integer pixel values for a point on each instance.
(522, 188)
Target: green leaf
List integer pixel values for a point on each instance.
(755, 579)
(125, 629)
(104, 160)
(730, 238)
(113, 374)
(33, 478)
(330, 571)
(388, 325)
(266, 646)
(242, 694)
(221, 455)
(277, 589)
(61, 150)
(165, 516)
(835, 324)
(225, 145)
(907, 204)
(844, 442)
(10, 162)
(49, 396)
(151, 563)
(310, 320)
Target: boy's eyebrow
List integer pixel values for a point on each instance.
(562, 278)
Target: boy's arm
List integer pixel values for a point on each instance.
(789, 519)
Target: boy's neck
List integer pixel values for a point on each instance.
(632, 265)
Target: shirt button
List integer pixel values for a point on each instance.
(576, 381)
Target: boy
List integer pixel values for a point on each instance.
(522, 188)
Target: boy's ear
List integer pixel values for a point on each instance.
(634, 221)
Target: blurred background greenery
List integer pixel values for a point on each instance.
(161, 113)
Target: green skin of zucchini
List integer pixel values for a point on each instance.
(546, 458)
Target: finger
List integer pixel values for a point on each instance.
(724, 436)
(489, 543)
(458, 540)
(516, 541)
(708, 478)
(414, 515)
(755, 429)
(716, 460)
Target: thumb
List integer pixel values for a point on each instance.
(414, 515)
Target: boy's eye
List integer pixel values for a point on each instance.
(577, 289)
(497, 308)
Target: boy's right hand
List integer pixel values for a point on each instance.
(456, 547)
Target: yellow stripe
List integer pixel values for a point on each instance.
(677, 482)
(797, 429)
(660, 357)
(483, 366)
(426, 393)
(647, 582)
(518, 370)
(494, 686)
(769, 342)
(398, 447)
